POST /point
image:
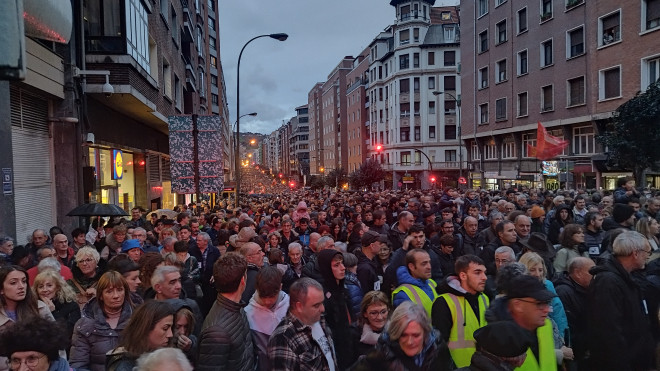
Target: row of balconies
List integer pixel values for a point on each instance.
(412, 166)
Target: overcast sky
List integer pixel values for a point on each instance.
(276, 76)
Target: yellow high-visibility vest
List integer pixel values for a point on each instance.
(461, 338)
(419, 296)
(547, 361)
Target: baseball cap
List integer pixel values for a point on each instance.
(526, 286)
(370, 237)
(503, 339)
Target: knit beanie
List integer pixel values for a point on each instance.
(622, 212)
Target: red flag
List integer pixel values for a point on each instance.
(547, 146)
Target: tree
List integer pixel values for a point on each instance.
(336, 177)
(316, 181)
(370, 172)
(633, 133)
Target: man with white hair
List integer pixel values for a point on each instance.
(255, 259)
(171, 359)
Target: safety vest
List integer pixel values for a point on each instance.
(461, 338)
(419, 296)
(547, 362)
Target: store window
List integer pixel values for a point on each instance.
(108, 190)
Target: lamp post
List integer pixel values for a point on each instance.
(458, 120)
(276, 36)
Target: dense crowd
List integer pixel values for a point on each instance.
(317, 280)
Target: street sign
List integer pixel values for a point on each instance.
(7, 187)
(408, 179)
(462, 180)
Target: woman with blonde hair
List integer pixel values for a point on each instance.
(60, 298)
(649, 227)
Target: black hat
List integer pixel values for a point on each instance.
(526, 286)
(427, 213)
(502, 339)
(539, 243)
(370, 237)
(168, 222)
(622, 212)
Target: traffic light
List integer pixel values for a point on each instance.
(281, 175)
(433, 179)
(292, 184)
(379, 148)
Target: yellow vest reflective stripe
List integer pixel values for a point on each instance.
(461, 338)
(418, 296)
(547, 361)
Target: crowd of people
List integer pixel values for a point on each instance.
(317, 280)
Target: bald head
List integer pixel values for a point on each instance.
(253, 253)
(578, 270)
(313, 240)
(471, 225)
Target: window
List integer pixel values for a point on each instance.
(418, 133)
(450, 58)
(508, 149)
(214, 62)
(500, 109)
(449, 33)
(450, 155)
(404, 62)
(522, 105)
(500, 71)
(214, 99)
(651, 14)
(522, 20)
(483, 41)
(450, 83)
(450, 132)
(214, 81)
(404, 109)
(404, 37)
(576, 91)
(546, 10)
(609, 28)
(416, 35)
(528, 140)
(167, 78)
(202, 87)
(177, 91)
(482, 7)
(546, 99)
(491, 151)
(584, 140)
(650, 71)
(499, 2)
(164, 8)
(501, 32)
(137, 35)
(211, 23)
(405, 134)
(609, 83)
(405, 12)
(546, 53)
(212, 42)
(475, 152)
(415, 60)
(431, 107)
(405, 158)
(431, 132)
(432, 82)
(522, 62)
(483, 113)
(483, 78)
(450, 107)
(575, 42)
(174, 26)
(573, 3)
(416, 84)
(431, 58)
(404, 86)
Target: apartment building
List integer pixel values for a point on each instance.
(357, 124)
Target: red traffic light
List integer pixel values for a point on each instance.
(433, 179)
(292, 184)
(379, 148)
(281, 175)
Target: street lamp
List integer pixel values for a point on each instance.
(458, 120)
(276, 36)
(247, 114)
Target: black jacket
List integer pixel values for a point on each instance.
(575, 300)
(618, 324)
(367, 272)
(205, 274)
(396, 237)
(311, 269)
(250, 283)
(225, 342)
(398, 259)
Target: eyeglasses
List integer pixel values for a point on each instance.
(502, 261)
(539, 304)
(376, 313)
(85, 261)
(31, 361)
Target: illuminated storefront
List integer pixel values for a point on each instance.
(115, 173)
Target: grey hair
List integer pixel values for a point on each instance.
(5, 239)
(49, 263)
(506, 273)
(159, 274)
(403, 315)
(159, 359)
(628, 242)
(295, 245)
(139, 229)
(299, 289)
(169, 241)
(506, 249)
(493, 215)
(341, 246)
(88, 251)
(323, 241)
(205, 236)
(522, 216)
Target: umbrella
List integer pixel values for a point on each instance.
(170, 214)
(96, 209)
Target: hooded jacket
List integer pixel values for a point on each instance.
(263, 322)
(337, 310)
(404, 278)
(618, 323)
(398, 259)
(93, 337)
(441, 315)
(575, 301)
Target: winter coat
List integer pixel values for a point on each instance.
(618, 324)
(112, 247)
(60, 365)
(367, 272)
(404, 277)
(311, 269)
(250, 282)
(364, 339)
(120, 360)
(441, 314)
(388, 356)
(565, 254)
(574, 298)
(67, 314)
(84, 282)
(481, 362)
(205, 274)
(44, 313)
(594, 241)
(263, 322)
(93, 337)
(284, 243)
(396, 237)
(354, 291)
(558, 314)
(398, 259)
(225, 342)
(290, 276)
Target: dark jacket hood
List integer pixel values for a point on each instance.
(325, 268)
(498, 311)
(565, 280)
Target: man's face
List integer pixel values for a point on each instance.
(256, 256)
(580, 204)
(60, 243)
(502, 259)
(496, 220)
(509, 207)
(185, 220)
(322, 216)
(170, 288)
(447, 249)
(597, 223)
(195, 228)
(80, 239)
(582, 275)
(635, 205)
(654, 206)
(447, 228)
(422, 267)
(471, 226)
(630, 221)
(532, 312)
(311, 309)
(418, 240)
(140, 236)
(46, 253)
(268, 302)
(508, 235)
(202, 243)
(406, 222)
(606, 201)
(523, 227)
(303, 226)
(473, 212)
(474, 280)
(184, 235)
(446, 215)
(295, 255)
(379, 222)
(136, 214)
(135, 254)
(39, 239)
(286, 227)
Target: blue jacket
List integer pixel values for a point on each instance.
(404, 277)
(558, 314)
(354, 291)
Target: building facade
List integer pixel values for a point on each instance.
(567, 64)
(334, 133)
(299, 145)
(357, 123)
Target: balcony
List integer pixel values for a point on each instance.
(188, 34)
(421, 166)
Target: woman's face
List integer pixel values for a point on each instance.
(113, 298)
(412, 339)
(7, 247)
(39, 360)
(87, 266)
(181, 327)
(133, 279)
(47, 289)
(654, 227)
(160, 335)
(537, 271)
(384, 253)
(15, 286)
(563, 214)
(376, 316)
(338, 269)
(337, 229)
(274, 241)
(578, 237)
(120, 237)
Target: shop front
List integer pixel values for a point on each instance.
(115, 173)
(610, 179)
